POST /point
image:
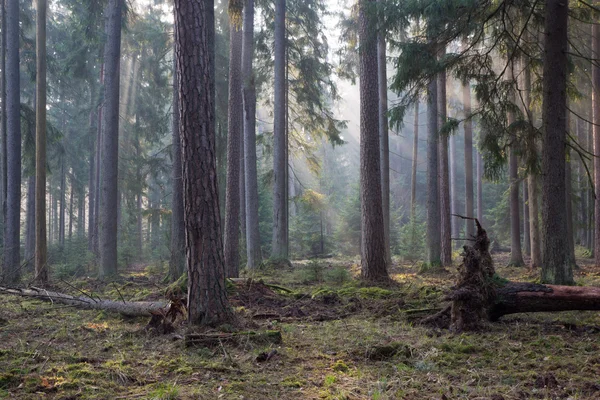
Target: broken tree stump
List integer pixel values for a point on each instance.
(480, 295)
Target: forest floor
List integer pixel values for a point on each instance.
(341, 340)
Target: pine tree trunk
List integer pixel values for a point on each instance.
(11, 266)
(194, 49)
(516, 254)
(177, 260)
(469, 196)
(373, 248)
(63, 202)
(415, 155)
(234, 123)
(569, 213)
(109, 197)
(100, 133)
(433, 197)
(556, 268)
(444, 175)
(454, 223)
(479, 187)
(384, 140)
(81, 212)
(526, 235)
(30, 221)
(280, 246)
(253, 249)
(3, 131)
(93, 160)
(596, 136)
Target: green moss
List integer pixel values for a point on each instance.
(9, 380)
(340, 366)
(293, 382)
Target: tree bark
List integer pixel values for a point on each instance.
(526, 235)
(433, 199)
(30, 222)
(109, 197)
(194, 48)
(469, 196)
(516, 254)
(373, 248)
(63, 200)
(444, 175)
(235, 120)
(253, 249)
(3, 131)
(11, 267)
(177, 260)
(569, 212)
(384, 140)
(479, 187)
(596, 136)
(415, 155)
(93, 161)
(280, 246)
(556, 268)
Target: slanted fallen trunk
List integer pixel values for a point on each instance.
(128, 308)
(480, 295)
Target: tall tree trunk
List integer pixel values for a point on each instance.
(12, 258)
(109, 197)
(280, 246)
(234, 123)
(3, 131)
(532, 178)
(384, 140)
(30, 223)
(71, 209)
(526, 235)
(155, 214)
(454, 223)
(444, 175)
(41, 270)
(596, 135)
(139, 221)
(99, 140)
(93, 161)
(253, 249)
(373, 248)
(81, 211)
(194, 49)
(177, 260)
(469, 197)
(433, 197)
(569, 212)
(415, 155)
(63, 201)
(479, 187)
(555, 265)
(516, 254)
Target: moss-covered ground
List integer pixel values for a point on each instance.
(341, 340)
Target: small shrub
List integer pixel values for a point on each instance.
(337, 275)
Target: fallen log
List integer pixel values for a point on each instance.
(480, 295)
(516, 297)
(128, 308)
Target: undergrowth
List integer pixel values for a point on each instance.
(342, 339)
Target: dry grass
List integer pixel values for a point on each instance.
(55, 352)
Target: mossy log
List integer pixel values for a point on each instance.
(128, 308)
(480, 295)
(216, 339)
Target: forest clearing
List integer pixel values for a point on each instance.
(300, 199)
(341, 339)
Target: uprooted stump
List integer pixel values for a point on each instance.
(236, 338)
(480, 295)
